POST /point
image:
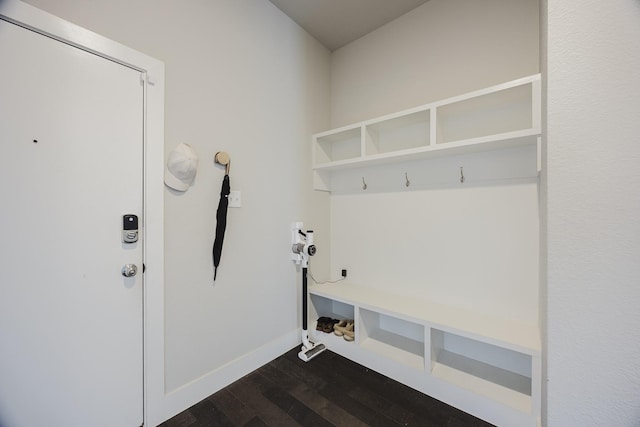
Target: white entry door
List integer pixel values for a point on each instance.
(71, 165)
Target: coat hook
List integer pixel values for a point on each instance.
(364, 184)
(461, 175)
(223, 159)
(407, 183)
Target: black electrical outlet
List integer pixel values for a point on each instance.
(344, 273)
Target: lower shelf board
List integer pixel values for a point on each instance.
(329, 339)
(497, 384)
(400, 349)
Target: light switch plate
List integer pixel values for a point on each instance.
(235, 199)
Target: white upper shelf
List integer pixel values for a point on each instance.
(501, 116)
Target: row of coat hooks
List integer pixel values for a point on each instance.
(407, 183)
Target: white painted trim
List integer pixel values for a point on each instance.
(193, 392)
(32, 18)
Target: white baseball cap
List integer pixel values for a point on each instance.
(182, 165)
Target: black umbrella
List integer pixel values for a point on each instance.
(221, 215)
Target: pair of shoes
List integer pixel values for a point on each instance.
(328, 327)
(321, 322)
(325, 324)
(345, 329)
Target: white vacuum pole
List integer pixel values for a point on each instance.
(302, 249)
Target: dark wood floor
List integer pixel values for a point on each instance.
(329, 390)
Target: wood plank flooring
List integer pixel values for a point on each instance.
(330, 390)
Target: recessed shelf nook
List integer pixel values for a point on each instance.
(502, 116)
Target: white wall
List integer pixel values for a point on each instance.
(593, 343)
(440, 49)
(473, 246)
(543, 208)
(241, 77)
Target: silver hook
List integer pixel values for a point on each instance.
(406, 184)
(364, 184)
(461, 176)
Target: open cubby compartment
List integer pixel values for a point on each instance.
(338, 145)
(402, 131)
(321, 306)
(397, 339)
(499, 373)
(494, 113)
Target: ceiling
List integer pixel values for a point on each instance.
(335, 23)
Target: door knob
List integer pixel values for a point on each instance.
(129, 270)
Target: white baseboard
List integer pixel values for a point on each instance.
(191, 393)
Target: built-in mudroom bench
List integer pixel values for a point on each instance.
(434, 213)
(482, 365)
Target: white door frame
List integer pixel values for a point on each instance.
(153, 191)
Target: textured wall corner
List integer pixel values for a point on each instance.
(593, 349)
